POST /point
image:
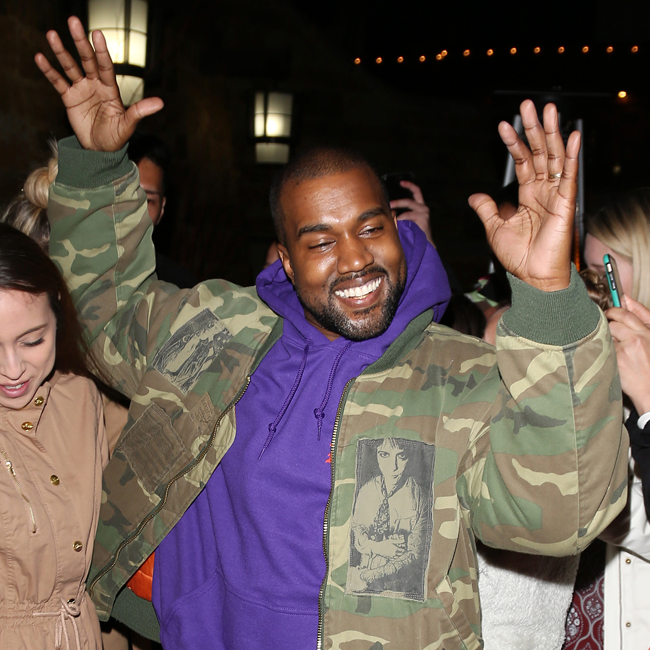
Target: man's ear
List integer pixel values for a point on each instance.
(162, 208)
(286, 262)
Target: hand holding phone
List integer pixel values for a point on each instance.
(614, 281)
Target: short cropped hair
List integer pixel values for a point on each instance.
(145, 145)
(313, 163)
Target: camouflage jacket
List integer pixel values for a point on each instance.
(521, 446)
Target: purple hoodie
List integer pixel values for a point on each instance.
(243, 568)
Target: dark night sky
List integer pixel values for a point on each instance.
(385, 28)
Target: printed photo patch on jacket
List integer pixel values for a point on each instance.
(191, 350)
(391, 518)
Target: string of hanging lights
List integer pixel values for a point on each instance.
(467, 53)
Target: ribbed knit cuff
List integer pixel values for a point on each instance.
(551, 317)
(79, 167)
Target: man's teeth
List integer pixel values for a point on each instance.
(360, 292)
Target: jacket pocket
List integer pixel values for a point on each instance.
(152, 447)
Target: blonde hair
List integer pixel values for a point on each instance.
(28, 211)
(624, 226)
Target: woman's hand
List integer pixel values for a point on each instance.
(631, 332)
(534, 244)
(95, 109)
(417, 209)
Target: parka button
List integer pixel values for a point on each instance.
(39, 400)
(54, 479)
(27, 426)
(77, 546)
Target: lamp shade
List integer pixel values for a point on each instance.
(124, 24)
(272, 121)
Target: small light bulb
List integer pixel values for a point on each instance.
(400, 59)
(423, 59)
(585, 49)
(490, 52)
(438, 57)
(635, 49)
(357, 61)
(537, 50)
(466, 53)
(513, 50)
(378, 59)
(610, 49)
(560, 49)
(622, 94)
(444, 53)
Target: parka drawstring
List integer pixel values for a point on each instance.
(69, 611)
(319, 413)
(274, 425)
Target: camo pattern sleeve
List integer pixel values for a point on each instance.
(551, 472)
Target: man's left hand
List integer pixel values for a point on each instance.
(535, 243)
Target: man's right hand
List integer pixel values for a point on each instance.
(95, 109)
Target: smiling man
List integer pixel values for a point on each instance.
(254, 459)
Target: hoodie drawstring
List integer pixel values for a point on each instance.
(274, 425)
(319, 413)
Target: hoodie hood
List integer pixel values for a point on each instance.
(426, 287)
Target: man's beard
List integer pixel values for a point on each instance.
(329, 316)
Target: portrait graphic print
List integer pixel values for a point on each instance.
(392, 519)
(191, 350)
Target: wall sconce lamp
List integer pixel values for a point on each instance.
(124, 24)
(272, 127)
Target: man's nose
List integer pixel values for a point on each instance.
(353, 256)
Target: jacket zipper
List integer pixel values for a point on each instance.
(335, 433)
(159, 507)
(12, 471)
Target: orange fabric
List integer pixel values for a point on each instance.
(142, 581)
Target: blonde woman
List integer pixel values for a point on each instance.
(622, 229)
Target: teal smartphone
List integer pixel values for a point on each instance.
(613, 280)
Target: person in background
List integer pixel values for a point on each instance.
(151, 155)
(53, 447)
(622, 229)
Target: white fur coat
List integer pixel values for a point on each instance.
(524, 599)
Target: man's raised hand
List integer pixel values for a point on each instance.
(95, 110)
(535, 243)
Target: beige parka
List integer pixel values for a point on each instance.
(52, 453)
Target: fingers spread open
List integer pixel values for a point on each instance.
(568, 182)
(64, 57)
(536, 138)
(104, 62)
(554, 142)
(486, 209)
(519, 152)
(86, 53)
(59, 83)
(143, 108)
